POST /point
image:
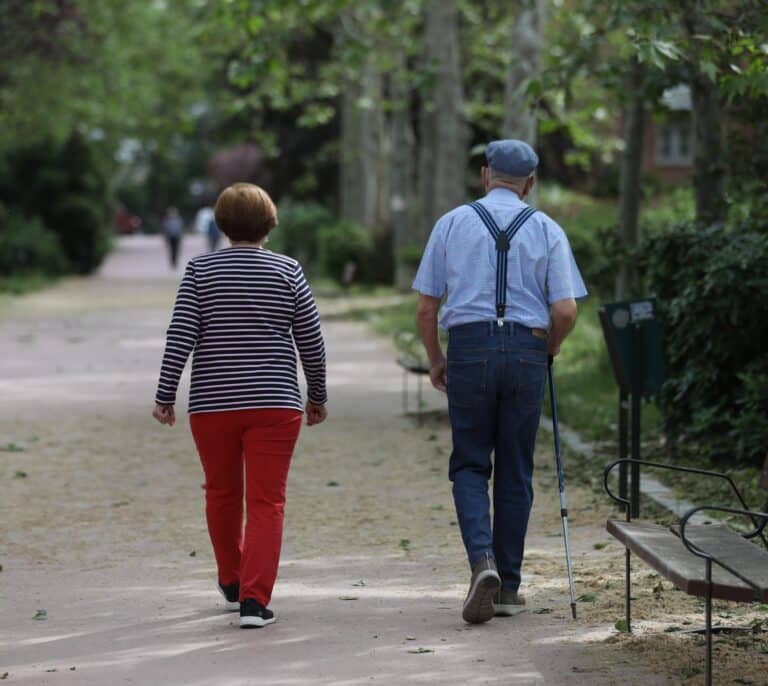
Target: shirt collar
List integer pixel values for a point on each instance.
(503, 194)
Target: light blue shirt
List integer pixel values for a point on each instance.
(460, 260)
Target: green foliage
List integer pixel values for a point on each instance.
(27, 247)
(339, 244)
(674, 207)
(410, 255)
(65, 186)
(324, 244)
(299, 224)
(590, 226)
(713, 294)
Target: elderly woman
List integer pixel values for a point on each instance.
(241, 310)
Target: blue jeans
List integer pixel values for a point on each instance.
(495, 380)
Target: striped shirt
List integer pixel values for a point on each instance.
(241, 310)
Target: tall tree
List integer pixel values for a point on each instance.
(443, 130)
(525, 45)
(629, 172)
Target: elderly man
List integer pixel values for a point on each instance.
(510, 285)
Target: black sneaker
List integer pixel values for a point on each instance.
(231, 595)
(254, 615)
(478, 606)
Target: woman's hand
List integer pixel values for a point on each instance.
(316, 414)
(164, 414)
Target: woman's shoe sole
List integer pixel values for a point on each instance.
(478, 607)
(231, 607)
(255, 622)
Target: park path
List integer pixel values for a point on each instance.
(107, 573)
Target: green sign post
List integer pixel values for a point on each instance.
(633, 337)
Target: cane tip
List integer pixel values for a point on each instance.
(573, 610)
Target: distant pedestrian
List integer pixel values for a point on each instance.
(213, 235)
(173, 229)
(242, 310)
(510, 285)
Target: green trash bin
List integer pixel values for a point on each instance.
(633, 336)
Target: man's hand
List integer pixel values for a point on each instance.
(426, 320)
(437, 374)
(316, 414)
(164, 414)
(563, 314)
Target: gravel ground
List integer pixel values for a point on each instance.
(107, 573)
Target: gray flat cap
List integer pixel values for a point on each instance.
(511, 157)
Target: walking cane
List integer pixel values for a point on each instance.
(561, 486)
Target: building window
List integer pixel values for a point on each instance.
(674, 144)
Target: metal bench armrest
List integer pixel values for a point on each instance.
(696, 550)
(674, 468)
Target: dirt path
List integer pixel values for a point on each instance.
(101, 526)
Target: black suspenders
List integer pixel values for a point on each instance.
(503, 240)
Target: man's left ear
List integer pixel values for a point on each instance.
(529, 184)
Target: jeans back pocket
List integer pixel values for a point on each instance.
(466, 381)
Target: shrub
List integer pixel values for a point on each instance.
(26, 246)
(591, 228)
(340, 243)
(65, 186)
(298, 228)
(80, 224)
(713, 297)
(410, 255)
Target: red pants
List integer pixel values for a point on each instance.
(263, 441)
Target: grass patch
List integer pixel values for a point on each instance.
(18, 284)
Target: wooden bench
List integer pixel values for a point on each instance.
(411, 365)
(411, 362)
(705, 560)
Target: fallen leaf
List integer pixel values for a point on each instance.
(359, 583)
(587, 598)
(12, 448)
(40, 615)
(19, 474)
(193, 553)
(332, 483)
(421, 651)
(621, 625)
(405, 544)
(347, 597)
(599, 546)
(410, 638)
(543, 611)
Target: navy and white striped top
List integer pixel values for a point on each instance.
(240, 310)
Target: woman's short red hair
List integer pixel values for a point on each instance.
(245, 212)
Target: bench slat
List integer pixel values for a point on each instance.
(746, 558)
(665, 552)
(412, 365)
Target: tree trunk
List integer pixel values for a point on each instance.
(708, 167)
(442, 122)
(351, 168)
(525, 47)
(629, 176)
(402, 171)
